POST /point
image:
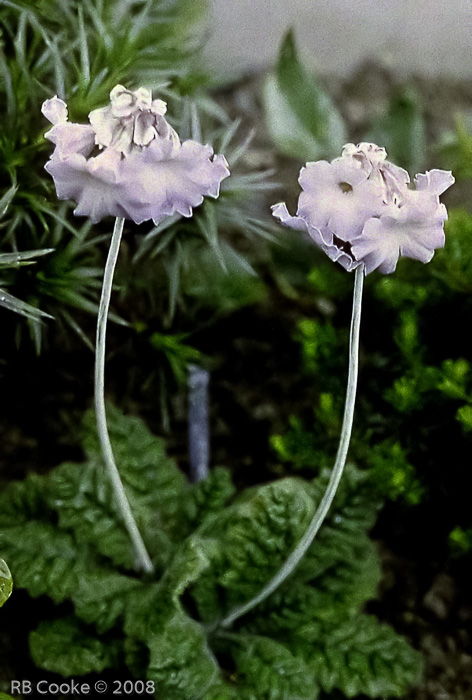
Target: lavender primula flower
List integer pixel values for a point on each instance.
(129, 162)
(360, 209)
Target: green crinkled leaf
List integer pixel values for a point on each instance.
(146, 612)
(43, 560)
(249, 542)
(363, 656)
(83, 499)
(23, 501)
(188, 564)
(181, 663)
(301, 118)
(343, 536)
(49, 561)
(101, 597)
(305, 612)
(261, 532)
(6, 582)
(148, 608)
(153, 481)
(221, 691)
(267, 669)
(208, 496)
(314, 633)
(64, 646)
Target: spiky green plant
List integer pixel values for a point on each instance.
(80, 50)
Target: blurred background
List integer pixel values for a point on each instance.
(430, 37)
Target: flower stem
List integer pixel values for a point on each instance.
(295, 557)
(142, 557)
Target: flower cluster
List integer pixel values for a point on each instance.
(360, 209)
(129, 162)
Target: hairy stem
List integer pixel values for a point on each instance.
(142, 557)
(295, 557)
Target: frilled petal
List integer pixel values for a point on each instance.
(71, 138)
(55, 110)
(174, 179)
(122, 101)
(281, 213)
(375, 248)
(434, 181)
(384, 240)
(363, 211)
(365, 153)
(95, 184)
(103, 124)
(339, 196)
(323, 240)
(159, 107)
(144, 130)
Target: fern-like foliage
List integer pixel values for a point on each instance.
(62, 538)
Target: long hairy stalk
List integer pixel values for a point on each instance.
(321, 512)
(143, 560)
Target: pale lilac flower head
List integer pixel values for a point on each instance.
(360, 209)
(129, 162)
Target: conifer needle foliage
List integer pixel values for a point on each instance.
(211, 551)
(50, 261)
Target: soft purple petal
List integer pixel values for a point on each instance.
(412, 248)
(168, 179)
(71, 138)
(376, 248)
(122, 101)
(159, 107)
(103, 124)
(365, 213)
(281, 213)
(435, 181)
(384, 240)
(144, 130)
(98, 185)
(339, 196)
(55, 110)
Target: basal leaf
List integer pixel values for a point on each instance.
(153, 481)
(66, 647)
(181, 663)
(343, 537)
(208, 496)
(155, 487)
(300, 611)
(267, 669)
(248, 543)
(83, 498)
(101, 597)
(364, 656)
